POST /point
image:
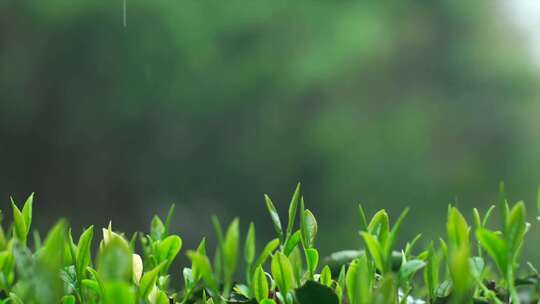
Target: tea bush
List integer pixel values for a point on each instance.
(471, 264)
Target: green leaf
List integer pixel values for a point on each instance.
(161, 298)
(47, 287)
(477, 266)
(71, 249)
(118, 292)
(68, 300)
(19, 224)
(379, 226)
(387, 291)
(218, 264)
(244, 291)
(283, 273)
(69, 277)
(84, 252)
(202, 268)
(133, 241)
(341, 283)
(352, 281)
(375, 250)
(314, 293)
(267, 251)
(54, 243)
(326, 276)
(297, 263)
(27, 212)
(292, 242)
(487, 216)
(312, 259)
(410, 245)
(431, 272)
(293, 207)
(149, 279)
(359, 281)
(218, 255)
(515, 228)
(363, 218)
(495, 246)
(461, 275)
(389, 244)
(169, 219)
(309, 228)
(97, 278)
(274, 216)
(92, 285)
(477, 219)
(201, 249)
(168, 249)
(408, 269)
(230, 248)
(14, 298)
(157, 228)
(259, 284)
(115, 260)
(249, 247)
(457, 228)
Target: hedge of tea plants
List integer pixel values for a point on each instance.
(476, 262)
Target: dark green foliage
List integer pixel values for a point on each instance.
(315, 293)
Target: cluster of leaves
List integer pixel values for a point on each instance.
(471, 265)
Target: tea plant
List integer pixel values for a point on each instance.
(471, 264)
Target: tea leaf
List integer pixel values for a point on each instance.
(19, 228)
(293, 207)
(115, 261)
(375, 250)
(268, 249)
(312, 259)
(149, 279)
(283, 273)
(389, 245)
(27, 212)
(431, 272)
(457, 228)
(363, 218)
(408, 269)
(168, 220)
(516, 227)
(274, 216)
(249, 247)
(118, 292)
(326, 276)
(292, 242)
(379, 226)
(495, 247)
(83, 252)
(202, 268)
(230, 248)
(168, 249)
(309, 228)
(259, 285)
(157, 228)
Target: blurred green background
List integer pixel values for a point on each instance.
(210, 104)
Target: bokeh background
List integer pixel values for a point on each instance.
(210, 104)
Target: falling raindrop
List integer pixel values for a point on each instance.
(125, 13)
